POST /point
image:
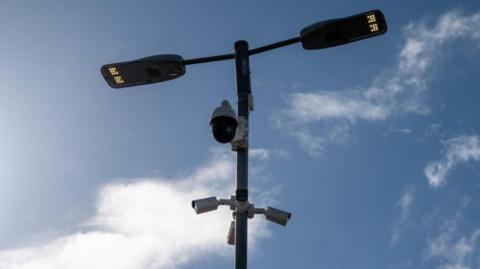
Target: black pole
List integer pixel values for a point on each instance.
(242, 67)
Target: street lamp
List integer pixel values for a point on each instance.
(227, 126)
(331, 33)
(143, 71)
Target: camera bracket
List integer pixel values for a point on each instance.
(240, 141)
(244, 206)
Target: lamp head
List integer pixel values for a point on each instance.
(143, 71)
(331, 33)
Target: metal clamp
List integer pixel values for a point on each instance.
(240, 141)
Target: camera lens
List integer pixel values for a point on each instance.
(223, 129)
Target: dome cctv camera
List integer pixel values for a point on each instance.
(224, 123)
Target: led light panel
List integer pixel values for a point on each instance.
(143, 71)
(341, 31)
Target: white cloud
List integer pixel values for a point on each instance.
(339, 105)
(455, 251)
(457, 150)
(266, 154)
(404, 204)
(452, 249)
(393, 130)
(260, 153)
(147, 223)
(313, 145)
(399, 91)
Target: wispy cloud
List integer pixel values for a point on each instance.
(404, 204)
(393, 130)
(455, 251)
(457, 150)
(265, 154)
(148, 223)
(401, 90)
(451, 248)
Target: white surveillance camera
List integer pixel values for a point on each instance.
(224, 123)
(278, 216)
(205, 204)
(231, 234)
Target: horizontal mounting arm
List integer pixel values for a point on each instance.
(275, 45)
(216, 58)
(259, 211)
(224, 57)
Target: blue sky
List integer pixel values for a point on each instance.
(374, 147)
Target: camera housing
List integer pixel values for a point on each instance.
(278, 216)
(231, 234)
(224, 123)
(205, 204)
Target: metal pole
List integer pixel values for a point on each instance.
(242, 67)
